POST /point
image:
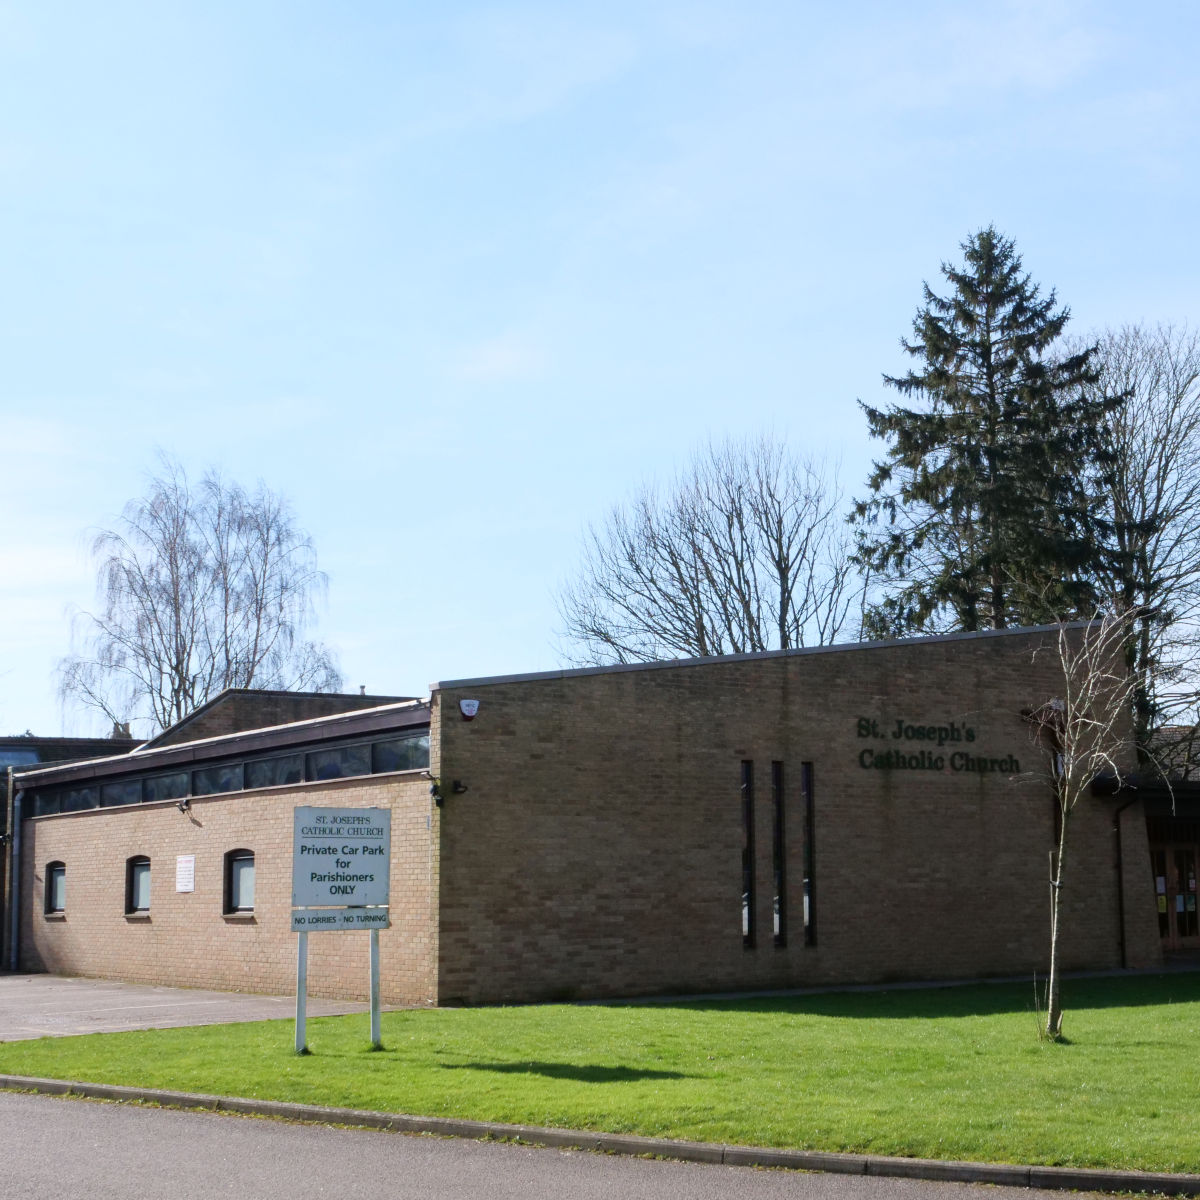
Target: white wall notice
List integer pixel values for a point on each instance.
(185, 873)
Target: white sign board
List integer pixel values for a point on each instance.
(185, 872)
(341, 858)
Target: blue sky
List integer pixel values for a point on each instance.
(457, 277)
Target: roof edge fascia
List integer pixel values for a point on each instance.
(754, 656)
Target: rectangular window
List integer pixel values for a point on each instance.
(56, 888)
(125, 791)
(400, 754)
(137, 885)
(810, 868)
(239, 881)
(209, 781)
(275, 772)
(77, 799)
(47, 801)
(334, 764)
(778, 855)
(166, 787)
(748, 930)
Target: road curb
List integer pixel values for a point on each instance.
(1010, 1175)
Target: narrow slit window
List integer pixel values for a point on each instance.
(239, 881)
(810, 869)
(778, 856)
(137, 885)
(56, 888)
(748, 929)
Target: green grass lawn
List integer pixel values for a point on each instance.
(941, 1073)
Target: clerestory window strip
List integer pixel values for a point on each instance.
(315, 763)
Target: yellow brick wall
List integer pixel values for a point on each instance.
(187, 941)
(598, 849)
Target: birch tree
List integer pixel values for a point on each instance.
(199, 588)
(1084, 732)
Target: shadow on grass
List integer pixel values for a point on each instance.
(967, 1000)
(580, 1074)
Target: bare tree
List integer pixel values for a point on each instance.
(1084, 733)
(1154, 513)
(200, 588)
(747, 550)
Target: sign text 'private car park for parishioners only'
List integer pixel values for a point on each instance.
(340, 868)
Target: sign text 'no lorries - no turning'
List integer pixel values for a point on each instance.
(340, 860)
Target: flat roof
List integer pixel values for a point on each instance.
(797, 652)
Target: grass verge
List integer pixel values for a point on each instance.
(953, 1073)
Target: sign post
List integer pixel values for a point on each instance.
(376, 1038)
(302, 994)
(341, 864)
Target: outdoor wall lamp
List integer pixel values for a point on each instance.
(435, 790)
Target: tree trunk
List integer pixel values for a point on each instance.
(1053, 999)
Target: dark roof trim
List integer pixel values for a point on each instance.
(1151, 788)
(235, 691)
(840, 648)
(33, 739)
(360, 723)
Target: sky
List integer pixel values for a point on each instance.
(456, 278)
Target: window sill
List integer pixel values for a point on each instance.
(137, 916)
(54, 916)
(239, 918)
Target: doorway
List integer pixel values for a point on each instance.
(1173, 865)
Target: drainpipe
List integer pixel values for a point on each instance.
(1121, 878)
(14, 852)
(8, 855)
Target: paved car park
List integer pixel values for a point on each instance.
(33, 1006)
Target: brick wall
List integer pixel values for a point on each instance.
(187, 941)
(598, 850)
(237, 710)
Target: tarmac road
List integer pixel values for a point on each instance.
(55, 1149)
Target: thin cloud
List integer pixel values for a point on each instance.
(506, 358)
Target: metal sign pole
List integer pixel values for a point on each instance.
(301, 991)
(376, 1037)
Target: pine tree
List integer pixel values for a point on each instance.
(985, 512)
